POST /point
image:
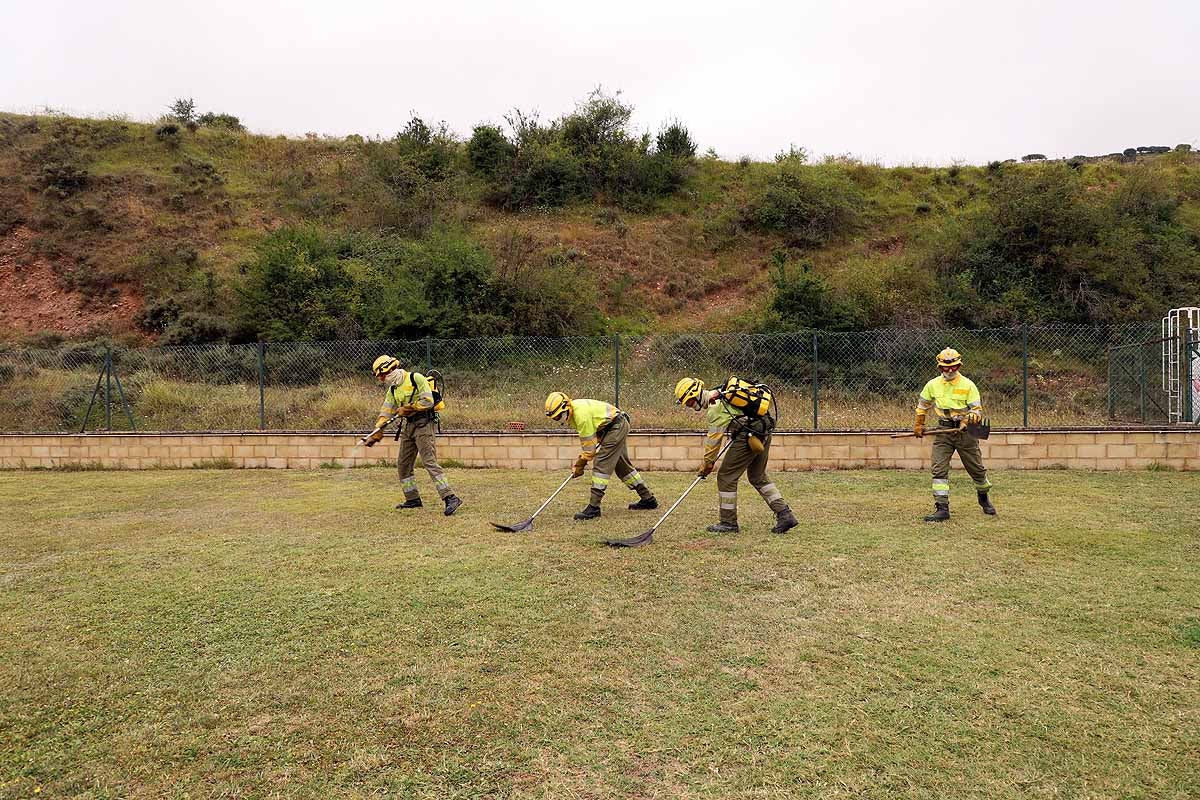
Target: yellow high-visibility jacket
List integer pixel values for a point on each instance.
(409, 394)
(591, 418)
(718, 414)
(950, 398)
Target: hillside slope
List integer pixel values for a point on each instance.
(110, 227)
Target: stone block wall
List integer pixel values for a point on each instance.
(1175, 447)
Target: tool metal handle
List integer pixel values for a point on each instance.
(688, 490)
(561, 486)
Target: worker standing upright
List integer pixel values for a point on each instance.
(749, 450)
(955, 398)
(410, 396)
(603, 429)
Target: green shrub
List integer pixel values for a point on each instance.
(192, 327)
(168, 134)
(676, 141)
(62, 179)
(589, 154)
(157, 315)
(489, 152)
(296, 289)
(802, 299)
(808, 206)
(221, 121)
(183, 110)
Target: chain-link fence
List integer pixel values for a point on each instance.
(1029, 376)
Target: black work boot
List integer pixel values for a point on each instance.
(941, 512)
(414, 502)
(589, 512)
(986, 504)
(644, 503)
(452, 504)
(723, 527)
(784, 521)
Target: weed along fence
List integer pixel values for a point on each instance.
(823, 381)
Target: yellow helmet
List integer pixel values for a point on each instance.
(688, 389)
(383, 365)
(949, 358)
(557, 404)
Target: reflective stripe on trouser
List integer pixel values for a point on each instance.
(967, 448)
(727, 505)
(612, 456)
(740, 458)
(420, 438)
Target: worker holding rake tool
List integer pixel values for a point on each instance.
(411, 397)
(960, 422)
(603, 429)
(741, 409)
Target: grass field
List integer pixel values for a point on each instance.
(263, 634)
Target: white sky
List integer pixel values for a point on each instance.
(901, 81)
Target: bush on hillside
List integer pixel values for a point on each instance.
(808, 206)
(192, 327)
(226, 122)
(802, 299)
(489, 152)
(676, 141)
(61, 179)
(168, 133)
(1046, 246)
(305, 285)
(183, 110)
(588, 154)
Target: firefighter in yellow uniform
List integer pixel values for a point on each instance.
(747, 454)
(954, 398)
(410, 396)
(603, 429)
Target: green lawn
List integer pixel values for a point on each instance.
(287, 634)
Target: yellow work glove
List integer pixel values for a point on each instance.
(919, 426)
(705, 468)
(579, 467)
(974, 417)
(373, 439)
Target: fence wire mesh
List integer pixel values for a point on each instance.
(1036, 376)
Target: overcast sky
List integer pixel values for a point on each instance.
(900, 81)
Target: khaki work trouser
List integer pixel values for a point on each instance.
(420, 437)
(612, 456)
(740, 458)
(967, 446)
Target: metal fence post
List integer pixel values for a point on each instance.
(428, 354)
(617, 370)
(1192, 347)
(1112, 396)
(1142, 381)
(1025, 373)
(108, 388)
(262, 387)
(816, 382)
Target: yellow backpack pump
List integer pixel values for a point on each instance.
(754, 402)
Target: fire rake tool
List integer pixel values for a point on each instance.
(527, 525)
(980, 430)
(647, 536)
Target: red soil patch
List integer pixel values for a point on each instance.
(32, 299)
